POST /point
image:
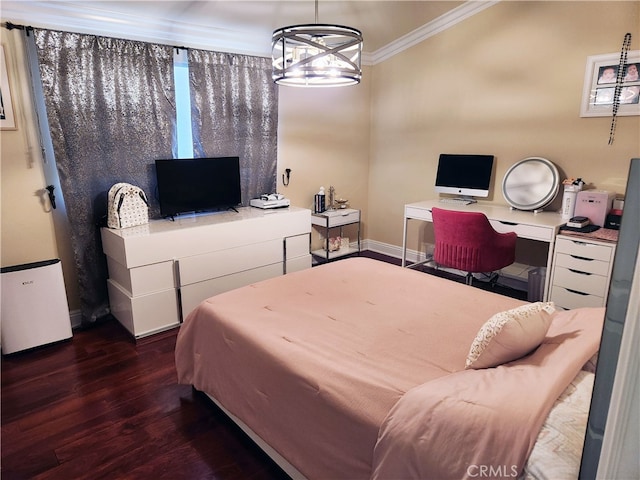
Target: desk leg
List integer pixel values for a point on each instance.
(404, 242)
(547, 277)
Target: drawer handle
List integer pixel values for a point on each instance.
(576, 292)
(578, 257)
(579, 272)
(508, 223)
(578, 243)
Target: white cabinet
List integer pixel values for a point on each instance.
(581, 272)
(161, 271)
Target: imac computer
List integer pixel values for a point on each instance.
(466, 176)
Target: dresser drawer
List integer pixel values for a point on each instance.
(144, 314)
(220, 263)
(569, 299)
(192, 295)
(580, 282)
(584, 249)
(582, 264)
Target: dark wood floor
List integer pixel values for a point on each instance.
(103, 406)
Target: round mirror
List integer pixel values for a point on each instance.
(531, 184)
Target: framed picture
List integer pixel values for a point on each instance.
(7, 120)
(599, 88)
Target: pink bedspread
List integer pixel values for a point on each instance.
(484, 423)
(314, 361)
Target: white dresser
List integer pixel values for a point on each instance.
(161, 271)
(581, 272)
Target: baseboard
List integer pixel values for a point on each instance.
(76, 318)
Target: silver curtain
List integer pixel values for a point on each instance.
(111, 111)
(235, 113)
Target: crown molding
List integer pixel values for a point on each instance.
(448, 20)
(85, 18)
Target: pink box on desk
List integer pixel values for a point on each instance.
(595, 205)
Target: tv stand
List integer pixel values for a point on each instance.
(160, 271)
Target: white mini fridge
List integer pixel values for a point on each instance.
(34, 308)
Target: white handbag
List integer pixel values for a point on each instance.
(127, 207)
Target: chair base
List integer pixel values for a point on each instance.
(493, 278)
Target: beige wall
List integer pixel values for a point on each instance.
(27, 227)
(507, 81)
(323, 137)
(26, 217)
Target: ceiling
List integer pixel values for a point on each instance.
(243, 26)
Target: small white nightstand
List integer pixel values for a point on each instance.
(581, 272)
(338, 218)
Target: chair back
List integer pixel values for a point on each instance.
(467, 241)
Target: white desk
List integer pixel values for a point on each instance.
(541, 226)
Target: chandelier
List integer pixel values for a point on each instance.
(316, 55)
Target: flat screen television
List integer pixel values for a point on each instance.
(467, 176)
(198, 185)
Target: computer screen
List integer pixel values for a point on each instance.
(464, 175)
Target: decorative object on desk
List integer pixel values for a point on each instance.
(578, 222)
(613, 220)
(342, 203)
(571, 189)
(531, 184)
(332, 196)
(600, 82)
(319, 199)
(316, 55)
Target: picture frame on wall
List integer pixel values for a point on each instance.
(600, 78)
(7, 120)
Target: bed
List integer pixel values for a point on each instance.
(359, 369)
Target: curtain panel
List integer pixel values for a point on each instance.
(234, 104)
(111, 111)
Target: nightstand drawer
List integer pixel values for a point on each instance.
(569, 299)
(336, 218)
(584, 249)
(580, 282)
(582, 264)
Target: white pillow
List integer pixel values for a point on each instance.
(509, 335)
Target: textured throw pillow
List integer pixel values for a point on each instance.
(510, 335)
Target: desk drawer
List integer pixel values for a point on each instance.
(584, 249)
(419, 213)
(582, 264)
(533, 232)
(569, 299)
(580, 282)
